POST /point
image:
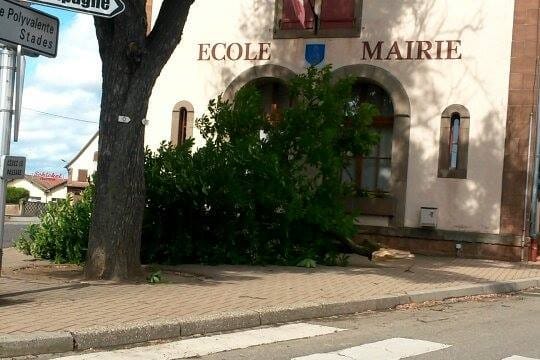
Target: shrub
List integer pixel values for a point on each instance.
(243, 198)
(15, 194)
(62, 233)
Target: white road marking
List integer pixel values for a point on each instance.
(213, 344)
(391, 349)
(515, 357)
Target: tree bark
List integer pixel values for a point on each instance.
(132, 61)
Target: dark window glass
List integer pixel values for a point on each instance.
(182, 126)
(373, 94)
(375, 168)
(275, 97)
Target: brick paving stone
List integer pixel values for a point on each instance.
(29, 305)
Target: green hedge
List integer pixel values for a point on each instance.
(14, 195)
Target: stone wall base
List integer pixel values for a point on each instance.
(13, 210)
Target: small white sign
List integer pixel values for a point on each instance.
(124, 119)
(13, 167)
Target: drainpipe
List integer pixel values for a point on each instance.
(533, 232)
(526, 200)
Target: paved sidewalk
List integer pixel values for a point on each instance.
(61, 301)
(22, 219)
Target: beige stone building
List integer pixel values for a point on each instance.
(455, 82)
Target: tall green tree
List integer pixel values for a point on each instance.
(132, 60)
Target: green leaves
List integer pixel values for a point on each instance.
(307, 263)
(244, 198)
(155, 277)
(62, 234)
(15, 194)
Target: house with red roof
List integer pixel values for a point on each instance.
(43, 187)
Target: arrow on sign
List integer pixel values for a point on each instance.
(102, 8)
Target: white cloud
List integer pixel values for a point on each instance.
(78, 63)
(69, 85)
(70, 97)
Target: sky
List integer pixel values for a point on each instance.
(68, 86)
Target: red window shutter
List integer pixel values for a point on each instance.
(291, 19)
(338, 14)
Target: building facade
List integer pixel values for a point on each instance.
(454, 81)
(82, 167)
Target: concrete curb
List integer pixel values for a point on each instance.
(36, 343)
(104, 337)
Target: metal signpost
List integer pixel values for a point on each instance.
(23, 31)
(101, 8)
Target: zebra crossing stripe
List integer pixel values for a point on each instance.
(391, 349)
(515, 357)
(197, 347)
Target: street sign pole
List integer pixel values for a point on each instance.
(7, 85)
(23, 31)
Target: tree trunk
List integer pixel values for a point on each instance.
(365, 248)
(132, 61)
(115, 232)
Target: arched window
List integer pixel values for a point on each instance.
(182, 123)
(373, 172)
(454, 143)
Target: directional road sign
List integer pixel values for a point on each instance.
(102, 8)
(35, 31)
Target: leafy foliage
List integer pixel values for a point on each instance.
(155, 277)
(307, 263)
(247, 198)
(15, 194)
(255, 193)
(62, 233)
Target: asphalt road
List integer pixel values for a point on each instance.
(12, 231)
(479, 330)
